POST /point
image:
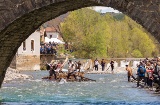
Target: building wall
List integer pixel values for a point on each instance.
(34, 36)
(54, 34)
(29, 59)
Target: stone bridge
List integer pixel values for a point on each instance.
(20, 18)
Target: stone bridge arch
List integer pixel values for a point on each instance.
(19, 18)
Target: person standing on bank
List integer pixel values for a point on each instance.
(103, 64)
(140, 74)
(130, 74)
(112, 65)
(96, 63)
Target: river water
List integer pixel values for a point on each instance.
(110, 89)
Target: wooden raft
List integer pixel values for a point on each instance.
(79, 77)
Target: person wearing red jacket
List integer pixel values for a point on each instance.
(150, 76)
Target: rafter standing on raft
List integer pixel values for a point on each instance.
(74, 72)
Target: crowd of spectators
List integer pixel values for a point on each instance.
(149, 73)
(50, 48)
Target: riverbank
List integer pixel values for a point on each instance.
(108, 71)
(13, 74)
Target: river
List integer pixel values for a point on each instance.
(110, 89)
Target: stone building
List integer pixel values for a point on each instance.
(28, 54)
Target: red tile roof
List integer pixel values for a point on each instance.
(50, 29)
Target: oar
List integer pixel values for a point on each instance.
(65, 61)
(88, 79)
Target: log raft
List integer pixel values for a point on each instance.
(63, 75)
(79, 77)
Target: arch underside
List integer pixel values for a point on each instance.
(31, 16)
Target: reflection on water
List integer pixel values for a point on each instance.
(112, 89)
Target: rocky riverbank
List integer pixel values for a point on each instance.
(12, 74)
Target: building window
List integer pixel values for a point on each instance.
(24, 46)
(32, 45)
(50, 36)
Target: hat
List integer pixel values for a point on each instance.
(151, 68)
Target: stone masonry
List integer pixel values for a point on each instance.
(20, 18)
(28, 62)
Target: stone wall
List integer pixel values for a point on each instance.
(47, 58)
(27, 62)
(32, 62)
(13, 63)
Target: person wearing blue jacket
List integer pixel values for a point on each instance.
(141, 73)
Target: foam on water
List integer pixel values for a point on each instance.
(62, 81)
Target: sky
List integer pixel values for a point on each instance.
(105, 9)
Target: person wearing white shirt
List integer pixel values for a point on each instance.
(96, 63)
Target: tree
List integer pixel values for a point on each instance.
(105, 35)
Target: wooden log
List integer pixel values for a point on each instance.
(80, 77)
(88, 79)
